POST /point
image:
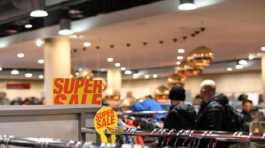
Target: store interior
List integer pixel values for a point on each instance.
(138, 49)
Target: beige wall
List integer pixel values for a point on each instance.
(249, 82)
(36, 89)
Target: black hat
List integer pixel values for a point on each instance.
(177, 93)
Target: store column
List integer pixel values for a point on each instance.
(57, 57)
(114, 79)
(263, 74)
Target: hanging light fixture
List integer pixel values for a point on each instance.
(65, 27)
(185, 5)
(38, 9)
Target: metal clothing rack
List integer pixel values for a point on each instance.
(142, 113)
(195, 134)
(6, 140)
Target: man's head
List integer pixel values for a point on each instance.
(247, 105)
(208, 90)
(177, 95)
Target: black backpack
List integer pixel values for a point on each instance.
(233, 120)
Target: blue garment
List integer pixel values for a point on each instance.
(148, 105)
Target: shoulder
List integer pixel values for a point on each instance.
(214, 106)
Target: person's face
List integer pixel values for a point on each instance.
(247, 107)
(174, 102)
(206, 93)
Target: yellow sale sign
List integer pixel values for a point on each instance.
(77, 91)
(106, 119)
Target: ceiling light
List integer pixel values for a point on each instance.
(28, 26)
(185, 5)
(238, 66)
(1, 68)
(243, 62)
(180, 57)
(38, 13)
(123, 69)
(14, 72)
(65, 27)
(40, 76)
(40, 61)
(155, 76)
(128, 72)
(77, 73)
(110, 60)
(178, 62)
(20, 55)
(87, 44)
(251, 56)
(135, 76)
(146, 76)
(38, 9)
(229, 69)
(262, 48)
(181, 50)
(39, 42)
(117, 64)
(28, 75)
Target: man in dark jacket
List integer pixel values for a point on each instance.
(180, 115)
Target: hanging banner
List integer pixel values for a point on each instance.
(77, 91)
(106, 119)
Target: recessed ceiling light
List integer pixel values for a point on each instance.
(155, 76)
(87, 44)
(229, 69)
(243, 62)
(123, 69)
(1, 68)
(74, 36)
(40, 61)
(28, 75)
(38, 13)
(117, 64)
(39, 42)
(14, 72)
(262, 48)
(110, 60)
(128, 72)
(181, 50)
(21, 55)
(77, 73)
(146, 76)
(41, 76)
(185, 5)
(180, 57)
(28, 26)
(238, 66)
(178, 62)
(251, 56)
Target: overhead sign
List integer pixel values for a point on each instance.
(106, 119)
(77, 91)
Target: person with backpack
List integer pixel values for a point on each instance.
(215, 113)
(180, 115)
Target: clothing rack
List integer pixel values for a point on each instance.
(41, 142)
(195, 134)
(142, 113)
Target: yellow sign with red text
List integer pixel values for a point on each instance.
(77, 91)
(106, 119)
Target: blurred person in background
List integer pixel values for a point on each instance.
(3, 99)
(247, 109)
(180, 115)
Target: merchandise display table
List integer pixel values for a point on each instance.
(58, 121)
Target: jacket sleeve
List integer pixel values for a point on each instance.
(214, 119)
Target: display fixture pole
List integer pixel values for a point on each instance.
(57, 57)
(114, 79)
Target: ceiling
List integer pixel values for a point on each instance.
(233, 29)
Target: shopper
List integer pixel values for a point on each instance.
(180, 115)
(210, 116)
(247, 108)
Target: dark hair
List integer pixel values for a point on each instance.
(246, 101)
(242, 97)
(177, 93)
